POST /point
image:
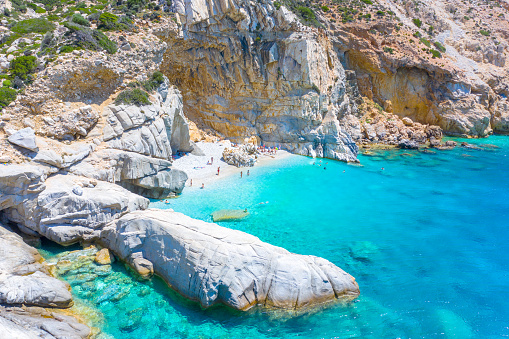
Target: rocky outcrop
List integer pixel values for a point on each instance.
(25, 280)
(247, 68)
(242, 156)
(213, 264)
(140, 174)
(36, 323)
(24, 138)
(64, 208)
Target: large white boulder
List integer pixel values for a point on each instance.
(213, 264)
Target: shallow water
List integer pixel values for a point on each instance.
(426, 239)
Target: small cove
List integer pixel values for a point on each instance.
(425, 239)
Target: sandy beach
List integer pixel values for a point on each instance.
(199, 172)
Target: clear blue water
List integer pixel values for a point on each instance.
(426, 239)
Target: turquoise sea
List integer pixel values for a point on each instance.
(426, 238)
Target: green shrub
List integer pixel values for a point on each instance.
(277, 5)
(107, 21)
(19, 6)
(36, 25)
(485, 32)
(156, 79)
(23, 66)
(439, 46)
(306, 13)
(389, 50)
(367, 2)
(417, 22)
(135, 5)
(73, 27)
(103, 41)
(435, 53)
(53, 17)
(7, 95)
(46, 40)
(315, 88)
(80, 20)
(425, 42)
(67, 49)
(417, 34)
(7, 83)
(380, 13)
(135, 96)
(325, 8)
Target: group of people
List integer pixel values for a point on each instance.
(320, 164)
(268, 150)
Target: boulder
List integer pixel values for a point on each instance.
(223, 215)
(408, 144)
(24, 138)
(407, 121)
(62, 212)
(216, 265)
(37, 323)
(24, 280)
(103, 257)
(242, 156)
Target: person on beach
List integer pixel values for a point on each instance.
(202, 186)
(211, 160)
(247, 172)
(241, 174)
(218, 170)
(191, 183)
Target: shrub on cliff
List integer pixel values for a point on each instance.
(156, 79)
(36, 25)
(135, 96)
(80, 20)
(417, 22)
(439, 46)
(7, 95)
(23, 66)
(107, 21)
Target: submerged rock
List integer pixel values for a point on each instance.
(212, 264)
(223, 215)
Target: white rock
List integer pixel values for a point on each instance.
(24, 138)
(217, 265)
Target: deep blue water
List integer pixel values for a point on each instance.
(426, 239)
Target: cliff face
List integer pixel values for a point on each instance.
(246, 68)
(438, 62)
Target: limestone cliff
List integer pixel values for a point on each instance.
(246, 68)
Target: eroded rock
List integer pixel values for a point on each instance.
(212, 264)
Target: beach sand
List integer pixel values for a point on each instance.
(197, 169)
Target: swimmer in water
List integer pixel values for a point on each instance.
(247, 172)
(202, 186)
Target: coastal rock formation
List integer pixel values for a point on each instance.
(247, 69)
(213, 264)
(64, 208)
(36, 323)
(25, 280)
(242, 156)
